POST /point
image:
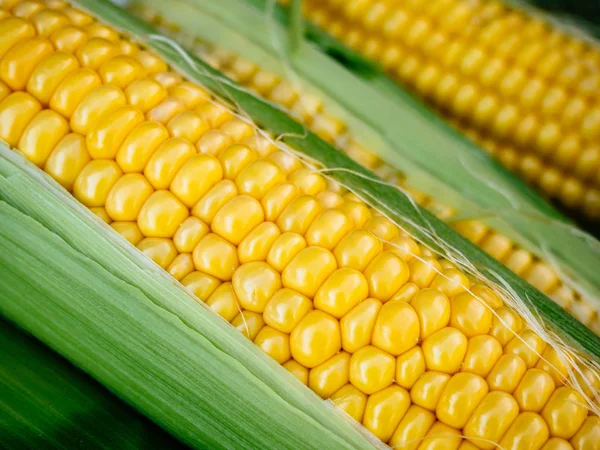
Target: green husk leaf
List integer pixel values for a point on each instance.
(48, 403)
(437, 160)
(83, 290)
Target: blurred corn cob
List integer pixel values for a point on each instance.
(525, 91)
(288, 257)
(309, 109)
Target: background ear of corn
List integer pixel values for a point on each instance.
(160, 350)
(434, 159)
(523, 89)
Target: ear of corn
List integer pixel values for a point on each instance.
(330, 105)
(390, 309)
(520, 87)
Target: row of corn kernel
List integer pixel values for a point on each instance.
(306, 271)
(310, 110)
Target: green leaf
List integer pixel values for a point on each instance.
(48, 403)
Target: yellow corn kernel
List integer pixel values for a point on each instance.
(397, 328)
(505, 325)
(278, 198)
(127, 196)
(102, 100)
(213, 142)
(191, 94)
(406, 293)
(384, 410)
(274, 343)
(554, 364)
(284, 249)
(216, 256)
(237, 218)
(371, 369)
(73, 89)
(129, 230)
(527, 345)
(137, 148)
(201, 284)
(423, 271)
(357, 249)
(161, 214)
(48, 74)
(95, 181)
(145, 94)
(77, 17)
(341, 292)
(188, 126)
(258, 242)
(165, 162)
(451, 282)
(330, 376)
(100, 212)
(258, 178)
(297, 370)
(14, 30)
(308, 270)
(482, 353)
(507, 373)
(357, 325)
(315, 339)
(534, 390)
(445, 350)
(160, 250)
(224, 302)
(357, 211)
(16, 112)
(409, 367)
(166, 110)
(328, 229)
(588, 435)
(386, 273)
(67, 160)
(405, 247)
(433, 309)
(491, 419)
(152, 63)
(565, 412)
(20, 61)
(382, 228)
(350, 400)
(298, 215)
(121, 71)
(441, 437)
(285, 309)
(254, 284)
(106, 137)
(412, 428)
(527, 431)
(41, 136)
(95, 51)
(193, 178)
(248, 323)
(285, 161)
(181, 266)
(69, 39)
(428, 389)
(470, 315)
(235, 158)
(461, 395)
